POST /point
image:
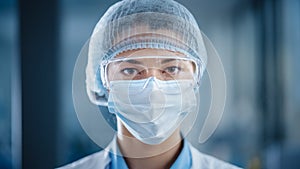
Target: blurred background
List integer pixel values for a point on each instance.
(258, 41)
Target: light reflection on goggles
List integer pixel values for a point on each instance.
(142, 67)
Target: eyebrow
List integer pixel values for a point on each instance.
(167, 60)
(131, 61)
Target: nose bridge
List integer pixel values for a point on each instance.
(154, 72)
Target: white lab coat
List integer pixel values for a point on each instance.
(101, 160)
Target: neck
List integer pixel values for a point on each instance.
(141, 155)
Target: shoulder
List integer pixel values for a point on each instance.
(201, 160)
(99, 160)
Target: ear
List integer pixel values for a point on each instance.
(97, 99)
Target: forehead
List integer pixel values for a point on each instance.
(149, 52)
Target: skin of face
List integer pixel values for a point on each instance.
(143, 52)
(136, 153)
(123, 132)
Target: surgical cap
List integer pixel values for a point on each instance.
(138, 24)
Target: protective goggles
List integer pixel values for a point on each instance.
(142, 67)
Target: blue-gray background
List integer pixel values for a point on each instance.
(258, 41)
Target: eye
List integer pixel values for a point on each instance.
(129, 71)
(173, 70)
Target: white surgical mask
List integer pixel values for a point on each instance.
(152, 109)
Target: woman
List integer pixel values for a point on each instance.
(145, 63)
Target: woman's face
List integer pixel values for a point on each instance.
(145, 63)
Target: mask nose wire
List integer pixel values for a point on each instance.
(147, 82)
(152, 79)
